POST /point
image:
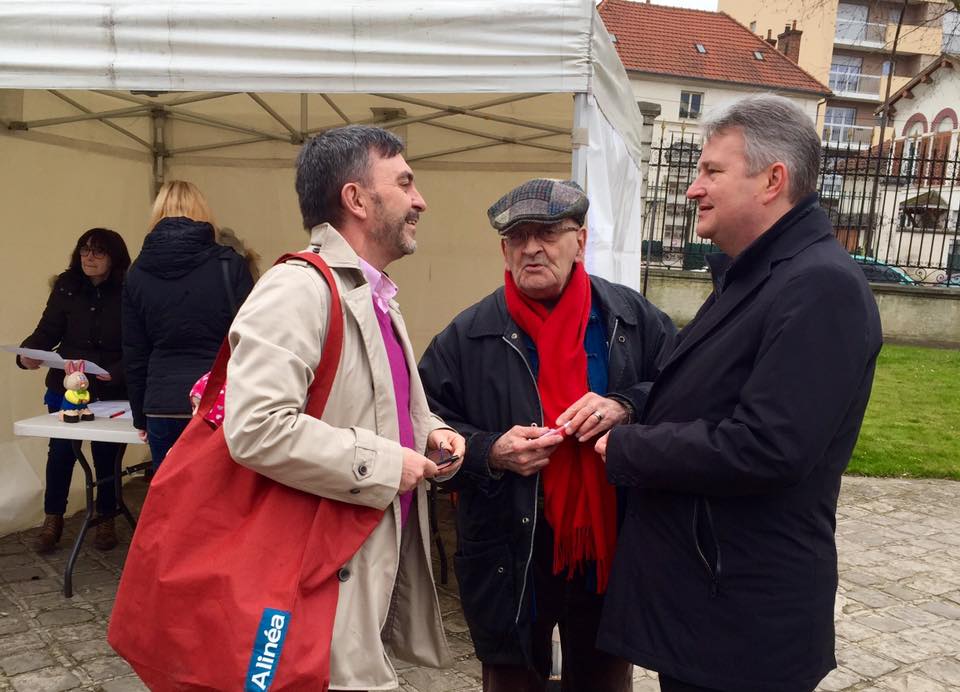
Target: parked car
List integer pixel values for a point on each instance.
(953, 281)
(881, 272)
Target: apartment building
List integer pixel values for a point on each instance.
(847, 45)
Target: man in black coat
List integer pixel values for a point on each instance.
(726, 567)
(536, 518)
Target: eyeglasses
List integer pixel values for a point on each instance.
(545, 235)
(97, 253)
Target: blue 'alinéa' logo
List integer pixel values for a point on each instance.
(266, 649)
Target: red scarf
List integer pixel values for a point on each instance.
(580, 505)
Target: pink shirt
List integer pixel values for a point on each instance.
(383, 290)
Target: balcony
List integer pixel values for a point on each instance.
(917, 40)
(854, 85)
(855, 34)
(852, 136)
(951, 43)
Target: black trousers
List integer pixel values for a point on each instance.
(576, 609)
(668, 684)
(59, 472)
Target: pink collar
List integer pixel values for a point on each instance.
(381, 285)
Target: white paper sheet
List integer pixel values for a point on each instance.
(53, 360)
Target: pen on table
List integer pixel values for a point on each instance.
(118, 413)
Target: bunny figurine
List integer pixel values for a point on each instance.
(74, 409)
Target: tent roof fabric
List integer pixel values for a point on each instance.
(302, 46)
(663, 40)
(423, 46)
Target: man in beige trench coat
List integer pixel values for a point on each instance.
(361, 207)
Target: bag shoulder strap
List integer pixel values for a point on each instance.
(228, 285)
(326, 370)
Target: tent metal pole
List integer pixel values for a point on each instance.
(216, 145)
(443, 113)
(298, 138)
(472, 147)
(109, 124)
(503, 139)
(223, 124)
(336, 109)
(578, 172)
(34, 124)
(304, 103)
(159, 118)
(473, 113)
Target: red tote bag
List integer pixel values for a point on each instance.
(231, 578)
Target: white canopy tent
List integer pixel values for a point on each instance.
(213, 89)
(366, 47)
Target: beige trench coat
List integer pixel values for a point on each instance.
(388, 603)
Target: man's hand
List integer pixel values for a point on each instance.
(601, 447)
(105, 378)
(592, 415)
(416, 467)
(142, 434)
(523, 449)
(452, 442)
(29, 363)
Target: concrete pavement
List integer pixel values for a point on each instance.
(898, 606)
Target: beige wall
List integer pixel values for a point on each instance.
(817, 21)
(49, 196)
(57, 182)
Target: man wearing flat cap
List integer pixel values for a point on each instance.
(529, 376)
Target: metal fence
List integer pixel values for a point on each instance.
(895, 208)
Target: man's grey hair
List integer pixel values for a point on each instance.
(774, 129)
(332, 159)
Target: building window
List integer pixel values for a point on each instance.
(700, 48)
(951, 32)
(758, 55)
(691, 104)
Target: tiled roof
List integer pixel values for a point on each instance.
(663, 40)
(945, 60)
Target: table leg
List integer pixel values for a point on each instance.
(87, 517)
(118, 486)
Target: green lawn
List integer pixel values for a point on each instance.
(912, 425)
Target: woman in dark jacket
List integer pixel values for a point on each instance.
(178, 302)
(82, 322)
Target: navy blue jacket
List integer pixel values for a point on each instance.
(176, 313)
(726, 566)
(478, 377)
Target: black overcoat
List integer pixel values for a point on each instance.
(477, 378)
(726, 567)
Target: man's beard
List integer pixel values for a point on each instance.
(389, 231)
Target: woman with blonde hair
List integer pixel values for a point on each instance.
(178, 301)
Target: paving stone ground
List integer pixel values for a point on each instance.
(898, 605)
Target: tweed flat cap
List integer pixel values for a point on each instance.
(541, 200)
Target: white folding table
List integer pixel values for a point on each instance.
(99, 430)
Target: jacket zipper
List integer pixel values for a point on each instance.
(536, 488)
(714, 571)
(613, 337)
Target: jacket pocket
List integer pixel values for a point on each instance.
(706, 542)
(485, 575)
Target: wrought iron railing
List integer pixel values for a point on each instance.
(854, 84)
(896, 209)
(857, 33)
